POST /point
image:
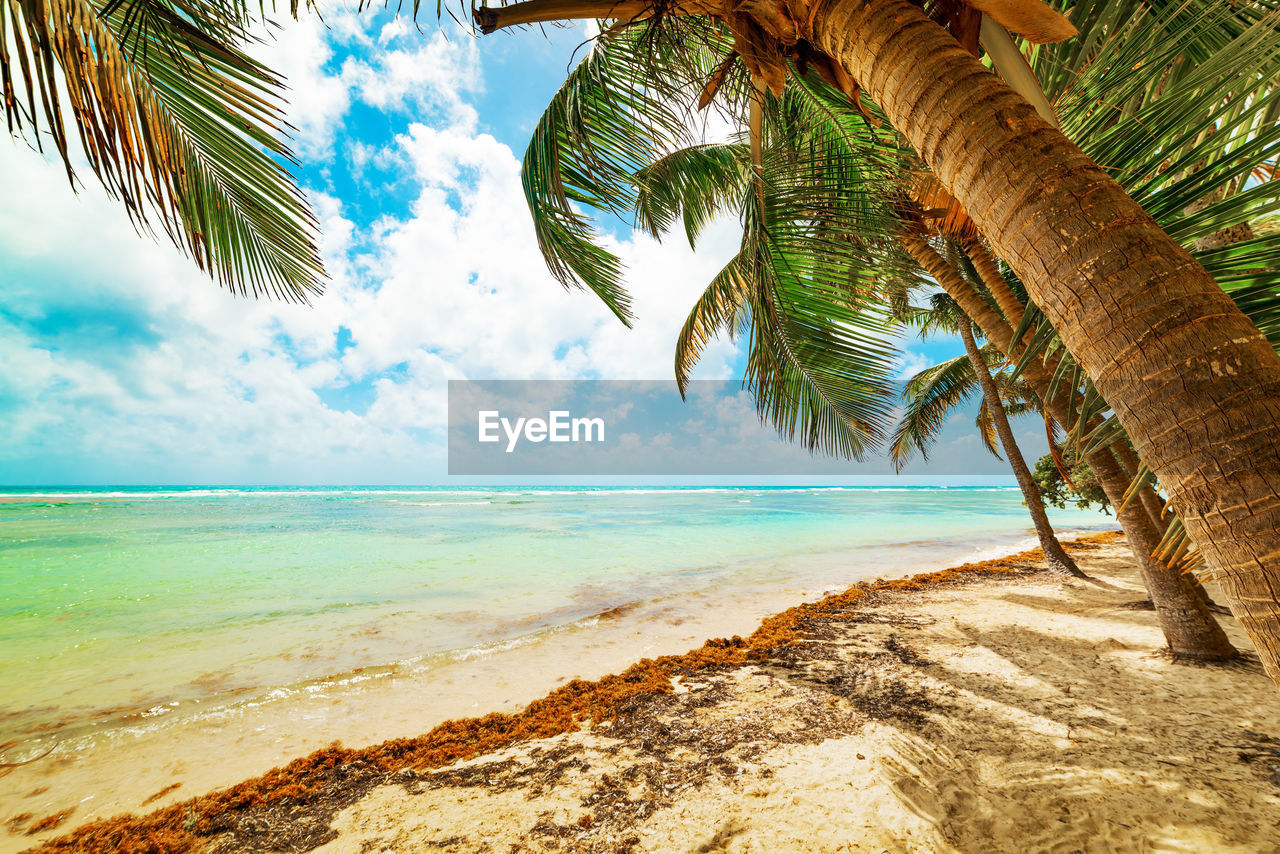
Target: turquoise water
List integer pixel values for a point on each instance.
(120, 604)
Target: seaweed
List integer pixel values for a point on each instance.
(49, 822)
(160, 794)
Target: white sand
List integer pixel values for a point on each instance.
(1053, 723)
(119, 769)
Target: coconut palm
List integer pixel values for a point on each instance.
(1055, 556)
(821, 369)
(1181, 607)
(713, 308)
(160, 101)
(932, 393)
(1190, 629)
(1164, 344)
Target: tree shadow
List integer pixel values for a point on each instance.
(1062, 743)
(1075, 752)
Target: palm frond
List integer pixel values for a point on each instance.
(175, 120)
(821, 353)
(817, 248)
(930, 396)
(1103, 26)
(987, 429)
(1178, 101)
(694, 185)
(628, 103)
(718, 309)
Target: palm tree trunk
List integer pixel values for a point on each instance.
(1181, 607)
(1189, 628)
(1056, 556)
(989, 271)
(1194, 383)
(1152, 505)
(1151, 501)
(1013, 310)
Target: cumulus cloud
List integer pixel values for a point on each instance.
(301, 51)
(911, 363)
(123, 362)
(402, 72)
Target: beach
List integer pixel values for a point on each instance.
(782, 427)
(992, 706)
(128, 606)
(182, 640)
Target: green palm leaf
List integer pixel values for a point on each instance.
(175, 120)
(612, 118)
(930, 395)
(721, 308)
(694, 185)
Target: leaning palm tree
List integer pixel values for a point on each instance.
(160, 101)
(690, 173)
(1181, 607)
(686, 185)
(926, 410)
(1055, 556)
(1175, 357)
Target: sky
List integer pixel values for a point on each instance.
(121, 363)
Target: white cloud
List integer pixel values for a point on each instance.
(220, 388)
(299, 51)
(405, 73)
(462, 277)
(911, 363)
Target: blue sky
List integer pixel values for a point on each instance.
(120, 363)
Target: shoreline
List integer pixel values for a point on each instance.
(559, 714)
(771, 584)
(213, 744)
(138, 607)
(264, 733)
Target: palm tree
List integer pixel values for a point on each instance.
(1181, 608)
(1193, 381)
(586, 143)
(933, 392)
(1190, 629)
(1056, 557)
(160, 100)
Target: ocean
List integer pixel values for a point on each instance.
(125, 606)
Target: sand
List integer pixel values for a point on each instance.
(1015, 713)
(134, 767)
(1028, 715)
(234, 742)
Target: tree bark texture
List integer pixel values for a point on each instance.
(1189, 628)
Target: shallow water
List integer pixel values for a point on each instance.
(126, 607)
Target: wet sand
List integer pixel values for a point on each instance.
(1018, 715)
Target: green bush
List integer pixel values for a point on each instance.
(1083, 489)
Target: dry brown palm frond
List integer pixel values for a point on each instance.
(1033, 20)
(940, 211)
